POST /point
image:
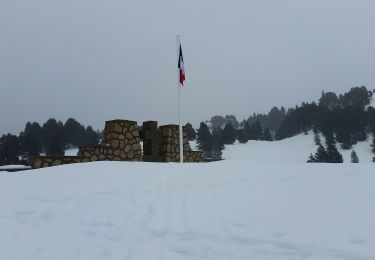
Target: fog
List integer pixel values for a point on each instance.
(100, 60)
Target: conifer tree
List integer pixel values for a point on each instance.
(53, 135)
(354, 157)
(333, 155)
(311, 159)
(373, 148)
(317, 139)
(267, 135)
(321, 155)
(191, 132)
(256, 131)
(229, 134)
(247, 130)
(204, 138)
(217, 145)
(242, 136)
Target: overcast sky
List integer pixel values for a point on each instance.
(97, 60)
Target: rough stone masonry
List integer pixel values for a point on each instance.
(122, 142)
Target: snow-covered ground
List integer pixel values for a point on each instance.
(291, 150)
(245, 207)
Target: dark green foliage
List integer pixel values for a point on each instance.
(217, 145)
(74, 133)
(373, 148)
(231, 119)
(191, 132)
(317, 139)
(272, 120)
(229, 134)
(247, 129)
(321, 155)
(256, 131)
(326, 155)
(354, 157)
(204, 138)
(329, 100)
(211, 144)
(30, 139)
(344, 117)
(220, 121)
(357, 97)
(217, 121)
(333, 154)
(371, 119)
(311, 159)
(242, 136)
(91, 136)
(9, 149)
(267, 135)
(53, 137)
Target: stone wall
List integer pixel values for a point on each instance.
(123, 138)
(169, 146)
(121, 142)
(46, 161)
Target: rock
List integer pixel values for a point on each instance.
(115, 143)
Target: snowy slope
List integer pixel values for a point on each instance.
(240, 208)
(291, 150)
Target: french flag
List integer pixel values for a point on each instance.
(181, 67)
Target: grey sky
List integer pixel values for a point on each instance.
(97, 60)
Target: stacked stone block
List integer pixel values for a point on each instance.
(121, 142)
(170, 145)
(47, 161)
(122, 136)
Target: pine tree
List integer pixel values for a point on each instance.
(321, 155)
(333, 155)
(373, 148)
(256, 131)
(247, 130)
(229, 134)
(204, 138)
(267, 135)
(9, 149)
(53, 137)
(74, 133)
(191, 132)
(317, 139)
(30, 139)
(242, 136)
(354, 157)
(217, 145)
(311, 159)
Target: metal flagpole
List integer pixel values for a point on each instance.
(179, 103)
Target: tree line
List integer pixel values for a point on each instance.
(211, 140)
(51, 138)
(344, 119)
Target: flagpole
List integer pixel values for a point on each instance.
(179, 104)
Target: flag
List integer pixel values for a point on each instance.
(181, 67)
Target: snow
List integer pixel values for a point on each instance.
(71, 152)
(240, 208)
(13, 167)
(291, 150)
